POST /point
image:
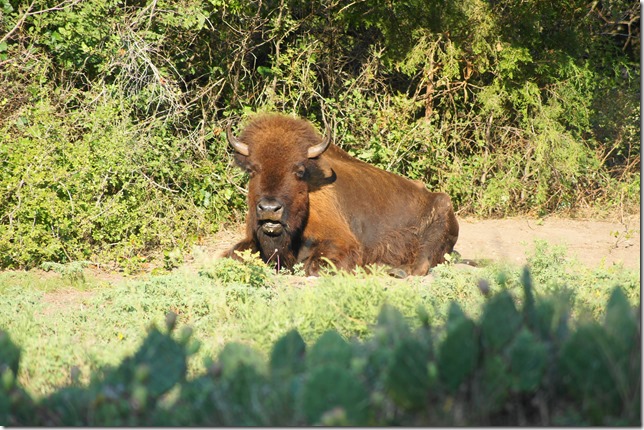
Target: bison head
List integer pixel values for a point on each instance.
(281, 155)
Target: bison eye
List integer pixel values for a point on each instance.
(300, 171)
(252, 170)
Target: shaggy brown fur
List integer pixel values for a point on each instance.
(334, 206)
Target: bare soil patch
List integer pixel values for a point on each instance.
(591, 242)
(64, 301)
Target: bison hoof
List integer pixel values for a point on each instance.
(397, 273)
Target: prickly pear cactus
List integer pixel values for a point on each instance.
(589, 374)
(620, 322)
(163, 358)
(16, 406)
(500, 321)
(528, 358)
(495, 385)
(408, 379)
(330, 348)
(391, 326)
(331, 390)
(288, 352)
(529, 307)
(9, 355)
(545, 311)
(458, 353)
(601, 364)
(235, 355)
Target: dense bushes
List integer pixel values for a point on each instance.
(111, 113)
(512, 366)
(89, 185)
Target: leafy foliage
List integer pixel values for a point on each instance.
(111, 113)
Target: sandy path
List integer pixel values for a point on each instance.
(591, 242)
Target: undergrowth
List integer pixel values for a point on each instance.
(247, 302)
(515, 364)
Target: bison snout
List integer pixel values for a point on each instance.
(270, 209)
(269, 216)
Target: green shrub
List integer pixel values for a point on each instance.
(112, 114)
(93, 185)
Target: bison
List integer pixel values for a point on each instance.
(311, 202)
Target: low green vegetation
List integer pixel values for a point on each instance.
(348, 350)
(69, 325)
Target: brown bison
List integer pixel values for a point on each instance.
(309, 201)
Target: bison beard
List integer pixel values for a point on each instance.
(311, 202)
(277, 249)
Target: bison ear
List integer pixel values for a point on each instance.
(242, 161)
(320, 173)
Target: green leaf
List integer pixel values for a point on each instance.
(265, 71)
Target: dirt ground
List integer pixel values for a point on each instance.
(591, 242)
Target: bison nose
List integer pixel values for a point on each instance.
(270, 207)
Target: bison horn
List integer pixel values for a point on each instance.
(317, 150)
(239, 146)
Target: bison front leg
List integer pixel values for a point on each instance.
(327, 239)
(244, 245)
(342, 256)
